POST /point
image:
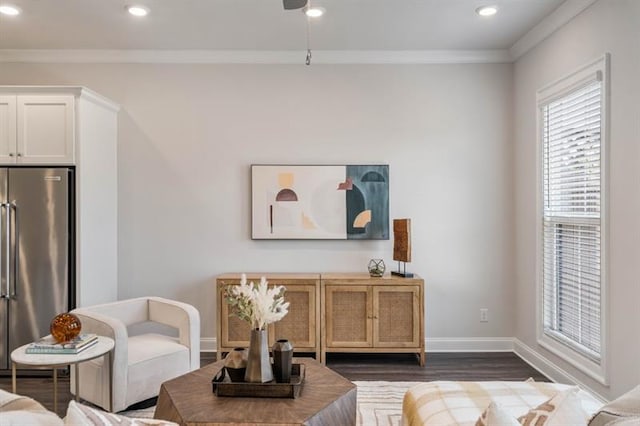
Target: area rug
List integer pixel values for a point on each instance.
(379, 403)
(144, 413)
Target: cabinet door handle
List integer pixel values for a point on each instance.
(19, 154)
(11, 154)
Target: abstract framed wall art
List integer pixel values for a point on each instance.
(332, 202)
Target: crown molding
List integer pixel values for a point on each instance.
(255, 56)
(556, 19)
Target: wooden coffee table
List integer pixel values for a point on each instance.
(327, 398)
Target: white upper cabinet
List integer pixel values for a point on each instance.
(39, 129)
(7, 129)
(45, 129)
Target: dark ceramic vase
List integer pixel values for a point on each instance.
(282, 356)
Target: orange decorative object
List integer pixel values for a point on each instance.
(65, 327)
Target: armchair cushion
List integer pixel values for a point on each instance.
(146, 353)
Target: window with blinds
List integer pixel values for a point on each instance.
(571, 221)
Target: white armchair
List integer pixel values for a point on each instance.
(140, 362)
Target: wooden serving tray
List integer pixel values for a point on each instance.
(223, 386)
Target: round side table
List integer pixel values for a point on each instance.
(102, 348)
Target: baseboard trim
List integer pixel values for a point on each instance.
(549, 369)
(469, 344)
(208, 344)
(441, 344)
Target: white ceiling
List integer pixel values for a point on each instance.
(264, 25)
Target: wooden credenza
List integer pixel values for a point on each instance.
(336, 312)
(365, 314)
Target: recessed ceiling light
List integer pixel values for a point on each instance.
(487, 10)
(314, 12)
(138, 10)
(8, 9)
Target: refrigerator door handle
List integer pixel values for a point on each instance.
(7, 252)
(12, 211)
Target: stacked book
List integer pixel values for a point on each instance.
(48, 345)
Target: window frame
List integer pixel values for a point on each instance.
(595, 70)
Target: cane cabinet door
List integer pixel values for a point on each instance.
(348, 316)
(396, 316)
(300, 326)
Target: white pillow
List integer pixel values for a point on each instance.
(625, 421)
(20, 410)
(563, 409)
(495, 415)
(22, 418)
(82, 415)
(624, 407)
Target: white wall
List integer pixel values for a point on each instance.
(459, 168)
(607, 26)
(188, 134)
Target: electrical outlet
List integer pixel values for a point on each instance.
(484, 315)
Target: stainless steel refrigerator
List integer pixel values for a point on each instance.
(36, 253)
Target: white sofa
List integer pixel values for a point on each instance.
(18, 410)
(459, 403)
(141, 361)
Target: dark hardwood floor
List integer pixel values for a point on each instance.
(439, 366)
(390, 367)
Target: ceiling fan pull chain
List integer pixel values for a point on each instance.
(308, 60)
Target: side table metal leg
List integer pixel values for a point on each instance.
(108, 361)
(77, 368)
(13, 377)
(55, 390)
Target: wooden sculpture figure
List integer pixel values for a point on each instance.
(402, 245)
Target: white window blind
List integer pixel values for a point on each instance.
(571, 130)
